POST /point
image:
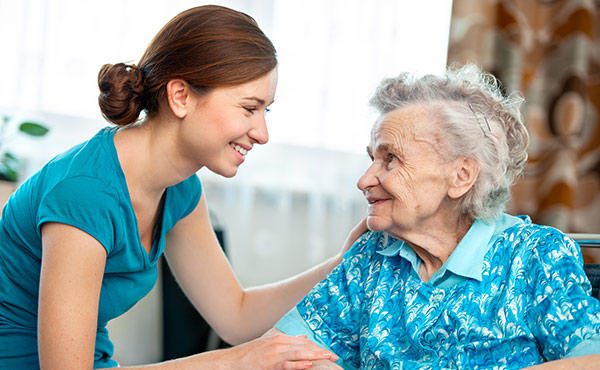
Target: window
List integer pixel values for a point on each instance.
(332, 54)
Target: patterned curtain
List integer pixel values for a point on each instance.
(550, 51)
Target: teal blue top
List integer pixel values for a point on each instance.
(83, 187)
(511, 295)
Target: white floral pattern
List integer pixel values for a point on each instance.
(532, 305)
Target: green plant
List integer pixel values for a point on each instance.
(11, 164)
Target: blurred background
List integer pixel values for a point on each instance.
(294, 200)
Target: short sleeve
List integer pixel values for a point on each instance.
(183, 200)
(333, 308)
(563, 316)
(86, 203)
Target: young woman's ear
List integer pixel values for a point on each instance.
(178, 97)
(465, 173)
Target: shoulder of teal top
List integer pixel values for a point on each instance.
(187, 194)
(467, 258)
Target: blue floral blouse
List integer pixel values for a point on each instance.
(512, 294)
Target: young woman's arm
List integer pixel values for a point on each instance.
(202, 270)
(71, 278)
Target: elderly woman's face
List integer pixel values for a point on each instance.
(407, 184)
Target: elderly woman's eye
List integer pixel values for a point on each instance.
(391, 157)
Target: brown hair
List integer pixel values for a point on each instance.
(207, 46)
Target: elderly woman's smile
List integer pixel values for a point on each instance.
(408, 182)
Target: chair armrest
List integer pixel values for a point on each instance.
(586, 240)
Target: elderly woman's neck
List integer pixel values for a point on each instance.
(434, 246)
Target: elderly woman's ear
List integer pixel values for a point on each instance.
(463, 177)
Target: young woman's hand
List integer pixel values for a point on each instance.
(355, 233)
(325, 365)
(277, 352)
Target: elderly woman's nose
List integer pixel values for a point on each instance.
(367, 180)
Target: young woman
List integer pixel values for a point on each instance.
(80, 239)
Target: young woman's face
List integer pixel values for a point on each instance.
(406, 186)
(226, 124)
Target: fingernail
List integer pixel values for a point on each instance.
(331, 355)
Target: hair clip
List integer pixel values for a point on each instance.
(478, 121)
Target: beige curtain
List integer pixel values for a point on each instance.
(550, 51)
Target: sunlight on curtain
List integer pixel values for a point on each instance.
(332, 55)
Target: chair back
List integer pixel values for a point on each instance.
(590, 247)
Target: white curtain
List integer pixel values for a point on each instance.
(332, 54)
(294, 200)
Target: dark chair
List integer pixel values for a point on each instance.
(184, 331)
(590, 243)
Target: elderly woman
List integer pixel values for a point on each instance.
(445, 279)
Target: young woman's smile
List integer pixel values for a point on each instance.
(227, 123)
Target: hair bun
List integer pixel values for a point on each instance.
(121, 93)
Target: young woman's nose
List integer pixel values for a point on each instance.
(259, 132)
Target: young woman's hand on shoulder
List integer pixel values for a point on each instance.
(353, 236)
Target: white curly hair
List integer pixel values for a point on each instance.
(476, 120)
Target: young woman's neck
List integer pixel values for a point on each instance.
(148, 156)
